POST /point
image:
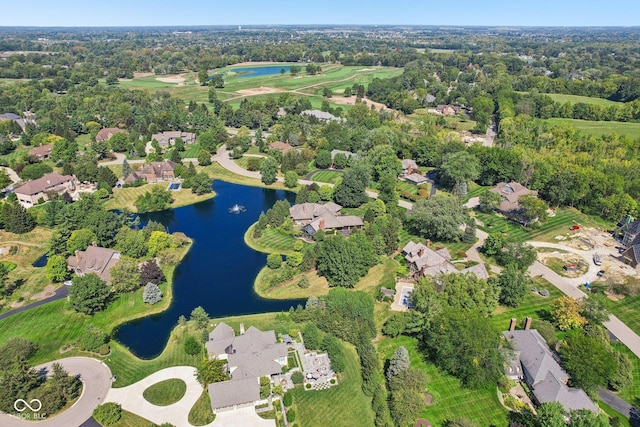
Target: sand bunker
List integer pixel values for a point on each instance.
(351, 100)
(171, 79)
(258, 91)
(48, 291)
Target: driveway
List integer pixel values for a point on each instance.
(12, 174)
(60, 293)
(96, 381)
(241, 417)
(131, 398)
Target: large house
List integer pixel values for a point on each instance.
(168, 138)
(249, 356)
(30, 193)
(96, 260)
(313, 217)
(542, 373)
(322, 116)
(510, 194)
(20, 121)
(42, 152)
(282, 146)
(631, 256)
(631, 232)
(424, 261)
(347, 154)
(106, 134)
(154, 172)
(409, 166)
(448, 110)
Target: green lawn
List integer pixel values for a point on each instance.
(126, 197)
(129, 419)
(450, 398)
(326, 176)
(272, 240)
(201, 413)
(574, 99)
(341, 405)
(631, 130)
(627, 310)
(165, 392)
(560, 223)
(216, 171)
(191, 151)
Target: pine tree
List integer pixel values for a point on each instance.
(469, 235)
(400, 362)
(126, 169)
(151, 294)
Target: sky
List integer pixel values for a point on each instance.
(78, 13)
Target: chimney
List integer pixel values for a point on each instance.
(512, 325)
(241, 328)
(527, 323)
(421, 252)
(322, 224)
(428, 243)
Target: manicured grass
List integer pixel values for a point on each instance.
(402, 186)
(631, 393)
(273, 240)
(326, 176)
(631, 130)
(216, 171)
(165, 392)
(574, 99)
(191, 151)
(318, 286)
(624, 422)
(453, 247)
(126, 197)
(129, 419)
(450, 398)
(627, 310)
(341, 405)
(558, 224)
(475, 190)
(201, 413)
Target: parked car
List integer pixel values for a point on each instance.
(575, 227)
(600, 273)
(596, 259)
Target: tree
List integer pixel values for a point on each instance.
(157, 199)
(323, 159)
(513, 284)
(211, 371)
(589, 362)
(350, 192)
(92, 338)
(192, 346)
(200, 317)
(438, 218)
(400, 362)
(311, 336)
(217, 81)
(150, 272)
(126, 168)
(89, 294)
(204, 158)
(15, 350)
(340, 161)
(201, 184)
(152, 294)
(274, 261)
(15, 218)
(469, 235)
(565, 312)
(465, 344)
(458, 168)
(108, 413)
(131, 243)
(489, 201)
(533, 209)
(269, 170)
(56, 269)
(334, 350)
(159, 241)
(294, 259)
(125, 276)
(343, 261)
(623, 376)
(520, 254)
(459, 422)
(80, 240)
(594, 310)
(5, 181)
(291, 179)
(203, 77)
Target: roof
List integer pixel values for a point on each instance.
(321, 115)
(552, 389)
(159, 168)
(346, 153)
(406, 163)
(335, 221)
(416, 178)
(220, 338)
(510, 193)
(41, 151)
(632, 254)
(106, 133)
(10, 116)
(235, 392)
(479, 270)
(164, 137)
(282, 146)
(96, 260)
(432, 263)
(309, 211)
(535, 355)
(41, 185)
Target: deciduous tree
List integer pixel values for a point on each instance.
(89, 294)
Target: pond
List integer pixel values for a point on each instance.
(219, 270)
(261, 71)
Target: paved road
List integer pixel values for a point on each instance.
(119, 160)
(131, 397)
(96, 379)
(616, 403)
(60, 293)
(491, 134)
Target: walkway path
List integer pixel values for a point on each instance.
(60, 293)
(12, 174)
(131, 397)
(96, 380)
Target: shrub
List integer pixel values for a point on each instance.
(107, 413)
(92, 338)
(274, 261)
(333, 381)
(308, 386)
(304, 282)
(291, 415)
(287, 399)
(192, 346)
(297, 378)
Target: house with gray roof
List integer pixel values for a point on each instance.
(510, 193)
(313, 217)
(631, 256)
(168, 138)
(348, 154)
(250, 355)
(322, 116)
(32, 192)
(20, 121)
(631, 232)
(543, 374)
(409, 166)
(416, 179)
(424, 261)
(94, 259)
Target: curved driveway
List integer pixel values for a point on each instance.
(96, 381)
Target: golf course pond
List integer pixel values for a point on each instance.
(261, 71)
(219, 270)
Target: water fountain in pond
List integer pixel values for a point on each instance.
(237, 209)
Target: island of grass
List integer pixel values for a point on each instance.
(165, 392)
